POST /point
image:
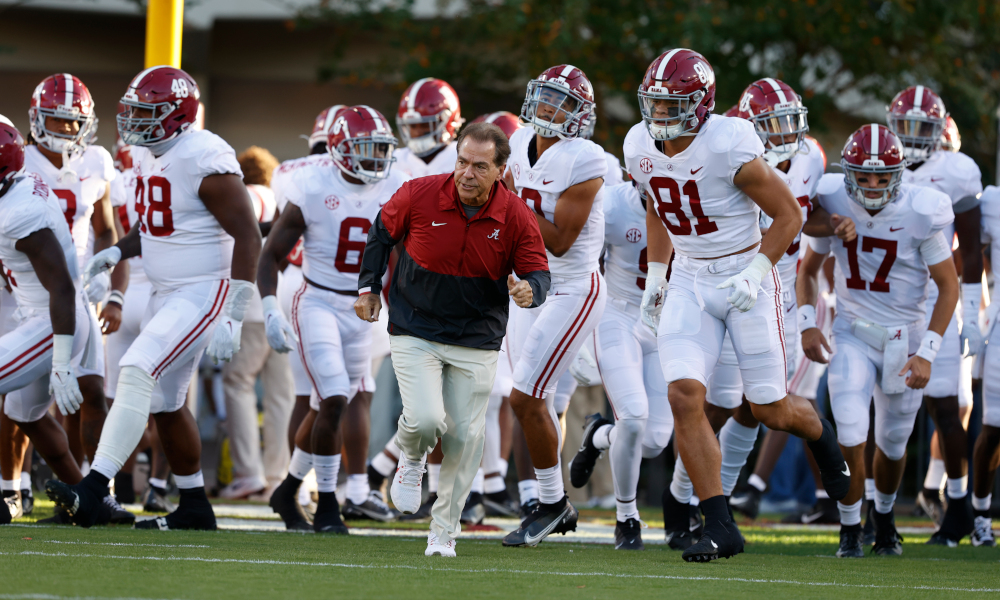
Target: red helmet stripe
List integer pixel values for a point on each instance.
(777, 90)
(663, 63)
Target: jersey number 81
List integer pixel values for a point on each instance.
(674, 205)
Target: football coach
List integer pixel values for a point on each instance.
(462, 234)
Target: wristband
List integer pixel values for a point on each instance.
(116, 297)
(62, 350)
(971, 294)
(929, 346)
(656, 270)
(270, 303)
(807, 317)
(239, 296)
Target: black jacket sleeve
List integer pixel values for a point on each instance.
(539, 282)
(375, 260)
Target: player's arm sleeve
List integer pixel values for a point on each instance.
(530, 261)
(590, 164)
(744, 146)
(26, 220)
(822, 245)
(390, 226)
(935, 249)
(217, 158)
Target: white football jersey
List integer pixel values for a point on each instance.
(338, 216)
(804, 173)
(182, 242)
(615, 174)
(413, 166)
(565, 164)
(624, 243)
(94, 169)
(882, 275)
(264, 204)
(701, 207)
(989, 205)
(284, 172)
(123, 201)
(29, 206)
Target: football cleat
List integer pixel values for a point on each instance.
(677, 523)
(833, 469)
(27, 502)
(500, 504)
(435, 547)
(7, 511)
(85, 508)
(547, 519)
(406, 482)
(582, 465)
(61, 517)
(718, 540)
(747, 502)
(423, 514)
(189, 515)
(957, 524)
(888, 542)
(824, 512)
(327, 518)
(119, 516)
(527, 508)
(156, 501)
(474, 510)
(628, 535)
(982, 535)
(869, 529)
(13, 502)
(373, 508)
(284, 501)
(851, 538)
(930, 503)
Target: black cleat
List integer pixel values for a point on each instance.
(957, 524)
(888, 542)
(423, 514)
(27, 502)
(527, 508)
(500, 504)
(474, 511)
(118, 515)
(61, 517)
(869, 529)
(85, 507)
(718, 540)
(285, 502)
(628, 535)
(586, 457)
(547, 519)
(982, 535)
(193, 512)
(930, 503)
(833, 468)
(851, 538)
(373, 508)
(677, 523)
(327, 517)
(747, 502)
(824, 512)
(156, 501)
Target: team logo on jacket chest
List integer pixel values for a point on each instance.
(332, 202)
(646, 165)
(633, 235)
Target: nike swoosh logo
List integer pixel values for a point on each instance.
(806, 180)
(433, 224)
(693, 171)
(714, 545)
(847, 470)
(547, 182)
(936, 180)
(807, 519)
(533, 540)
(896, 228)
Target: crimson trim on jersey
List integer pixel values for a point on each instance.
(581, 319)
(47, 338)
(196, 331)
(597, 357)
(781, 323)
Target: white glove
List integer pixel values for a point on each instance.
(654, 295)
(584, 367)
(746, 284)
(225, 340)
(99, 287)
(62, 382)
(279, 331)
(971, 338)
(102, 261)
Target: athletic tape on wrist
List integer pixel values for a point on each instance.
(62, 350)
(758, 267)
(929, 346)
(270, 303)
(116, 297)
(656, 270)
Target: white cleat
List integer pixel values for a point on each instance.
(405, 491)
(434, 546)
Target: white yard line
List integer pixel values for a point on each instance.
(505, 571)
(79, 543)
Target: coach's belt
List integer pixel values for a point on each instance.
(326, 289)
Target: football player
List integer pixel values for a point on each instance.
(709, 182)
(199, 243)
(918, 116)
(629, 366)
(883, 344)
(331, 209)
(560, 175)
(428, 120)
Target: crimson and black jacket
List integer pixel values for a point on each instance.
(450, 282)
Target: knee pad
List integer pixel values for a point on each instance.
(629, 431)
(850, 413)
(892, 431)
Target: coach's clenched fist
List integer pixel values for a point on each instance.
(367, 307)
(520, 291)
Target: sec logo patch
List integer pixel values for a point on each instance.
(646, 165)
(633, 235)
(332, 202)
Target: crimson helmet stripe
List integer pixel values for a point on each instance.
(777, 90)
(663, 63)
(566, 72)
(68, 94)
(874, 143)
(411, 98)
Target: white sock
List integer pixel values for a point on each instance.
(327, 468)
(504, 465)
(157, 483)
(433, 475)
(527, 490)
(357, 488)
(694, 501)
(936, 474)
(850, 514)
(822, 495)
(627, 510)
(602, 441)
(126, 421)
(550, 485)
(957, 488)
(103, 465)
(982, 503)
(85, 468)
(384, 465)
(10, 485)
(736, 442)
(478, 482)
(869, 489)
(758, 482)
(188, 482)
(680, 485)
(301, 463)
(494, 484)
(884, 502)
(25, 480)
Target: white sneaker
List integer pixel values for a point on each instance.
(982, 535)
(434, 546)
(405, 491)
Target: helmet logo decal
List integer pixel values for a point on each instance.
(180, 88)
(705, 74)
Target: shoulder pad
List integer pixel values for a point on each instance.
(726, 133)
(830, 183)
(928, 201)
(989, 201)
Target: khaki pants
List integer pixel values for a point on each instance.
(238, 379)
(445, 391)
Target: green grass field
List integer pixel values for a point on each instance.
(115, 562)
